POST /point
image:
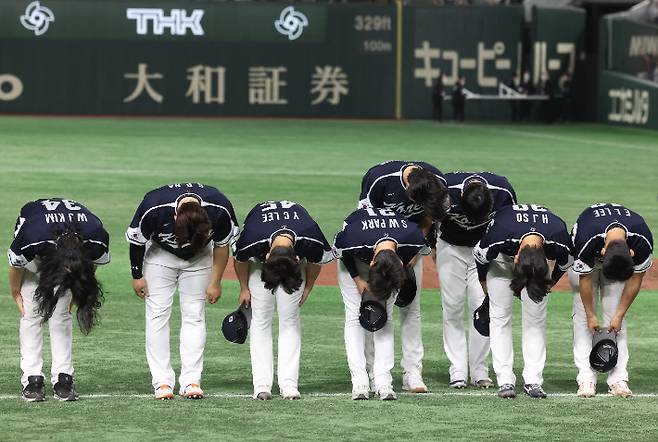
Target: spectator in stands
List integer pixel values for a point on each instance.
(565, 90)
(437, 99)
(548, 106)
(528, 89)
(459, 99)
(516, 86)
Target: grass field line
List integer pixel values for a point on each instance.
(563, 138)
(155, 173)
(492, 393)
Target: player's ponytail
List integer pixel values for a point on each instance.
(531, 273)
(192, 227)
(66, 267)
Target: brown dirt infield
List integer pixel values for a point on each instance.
(431, 279)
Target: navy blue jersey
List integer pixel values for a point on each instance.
(588, 235)
(382, 187)
(511, 224)
(365, 228)
(272, 218)
(41, 222)
(456, 229)
(154, 218)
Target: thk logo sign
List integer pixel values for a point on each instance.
(37, 18)
(178, 22)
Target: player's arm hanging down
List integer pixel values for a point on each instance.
(312, 273)
(136, 263)
(631, 289)
(219, 261)
(242, 272)
(15, 283)
(587, 296)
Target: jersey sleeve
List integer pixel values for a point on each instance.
(141, 228)
(644, 254)
(243, 250)
(97, 246)
(225, 227)
(584, 252)
(372, 191)
(345, 256)
(563, 254)
(20, 254)
(563, 250)
(316, 249)
(486, 250)
(509, 197)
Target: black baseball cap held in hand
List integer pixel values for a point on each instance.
(481, 317)
(236, 325)
(603, 356)
(408, 290)
(372, 313)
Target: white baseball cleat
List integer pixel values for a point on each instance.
(620, 389)
(483, 383)
(164, 392)
(192, 391)
(586, 389)
(413, 383)
(360, 392)
(386, 393)
(263, 396)
(290, 393)
(458, 384)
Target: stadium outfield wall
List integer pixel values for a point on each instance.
(269, 59)
(628, 81)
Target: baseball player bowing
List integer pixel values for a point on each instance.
(52, 266)
(277, 260)
(179, 238)
(475, 198)
(416, 191)
(612, 248)
(511, 260)
(374, 247)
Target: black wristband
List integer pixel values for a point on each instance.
(137, 260)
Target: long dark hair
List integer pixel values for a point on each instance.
(427, 190)
(386, 275)
(67, 267)
(531, 272)
(282, 268)
(192, 226)
(618, 263)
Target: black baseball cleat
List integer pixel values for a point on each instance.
(63, 389)
(33, 391)
(535, 391)
(507, 391)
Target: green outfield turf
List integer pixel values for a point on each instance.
(108, 164)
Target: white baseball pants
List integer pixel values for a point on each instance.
(607, 294)
(260, 332)
(383, 357)
(411, 333)
(533, 320)
(191, 283)
(459, 283)
(31, 334)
